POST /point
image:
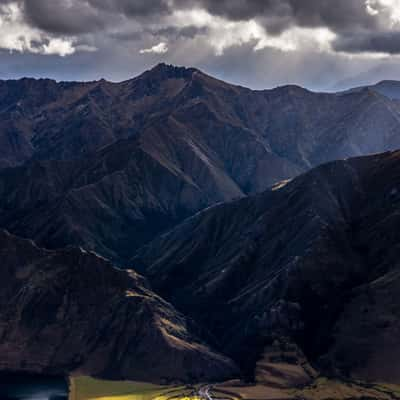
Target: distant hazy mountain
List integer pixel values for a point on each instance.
(108, 166)
(388, 70)
(390, 89)
(315, 260)
(71, 311)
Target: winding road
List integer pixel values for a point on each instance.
(204, 393)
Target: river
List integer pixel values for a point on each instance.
(28, 387)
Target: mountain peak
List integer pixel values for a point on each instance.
(166, 71)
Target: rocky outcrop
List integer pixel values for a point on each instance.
(69, 311)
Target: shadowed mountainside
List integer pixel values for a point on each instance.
(314, 260)
(71, 311)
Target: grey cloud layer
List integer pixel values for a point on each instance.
(357, 29)
(335, 14)
(380, 42)
(57, 17)
(80, 16)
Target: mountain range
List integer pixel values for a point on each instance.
(109, 166)
(258, 219)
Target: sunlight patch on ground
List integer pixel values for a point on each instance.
(87, 388)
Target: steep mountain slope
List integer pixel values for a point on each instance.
(110, 203)
(314, 260)
(71, 311)
(108, 166)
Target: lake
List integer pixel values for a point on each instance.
(28, 387)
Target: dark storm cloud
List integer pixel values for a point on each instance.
(61, 17)
(278, 15)
(344, 17)
(380, 42)
(78, 16)
(357, 29)
(134, 8)
(170, 32)
(187, 32)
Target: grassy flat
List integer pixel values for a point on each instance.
(85, 388)
(325, 389)
(320, 389)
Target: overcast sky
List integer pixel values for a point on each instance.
(320, 44)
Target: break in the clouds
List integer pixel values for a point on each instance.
(342, 36)
(159, 48)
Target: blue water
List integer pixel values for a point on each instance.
(27, 387)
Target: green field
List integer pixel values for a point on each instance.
(85, 388)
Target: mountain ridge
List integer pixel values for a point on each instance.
(142, 155)
(296, 261)
(69, 311)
